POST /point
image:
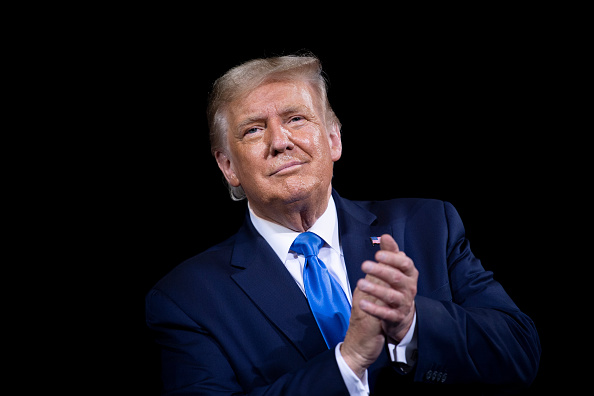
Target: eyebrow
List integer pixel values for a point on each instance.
(249, 120)
(284, 112)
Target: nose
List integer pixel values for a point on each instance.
(280, 138)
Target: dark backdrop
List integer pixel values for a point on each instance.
(462, 115)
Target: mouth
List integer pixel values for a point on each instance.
(287, 167)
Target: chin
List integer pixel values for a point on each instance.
(302, 190)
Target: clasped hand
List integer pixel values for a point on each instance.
(383, 305)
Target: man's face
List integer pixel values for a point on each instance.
(280, 148)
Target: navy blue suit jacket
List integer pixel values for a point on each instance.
(232, 320)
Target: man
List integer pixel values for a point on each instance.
(319, 295)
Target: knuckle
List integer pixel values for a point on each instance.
(397, 316)
(395, 277)
(407, 264)
(391, 297)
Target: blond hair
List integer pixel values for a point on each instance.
(249, 75)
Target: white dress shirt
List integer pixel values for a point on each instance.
(326, 227)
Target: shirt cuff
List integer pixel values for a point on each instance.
(406, 350)
(355, 386)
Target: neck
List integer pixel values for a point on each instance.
(299, 215)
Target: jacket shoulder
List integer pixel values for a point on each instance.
(206, 266)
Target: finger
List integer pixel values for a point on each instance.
(376, 280)
(358, 293)
(384, 294)
(395, 275)
(388, 243)
(398, 260)
(381, 312)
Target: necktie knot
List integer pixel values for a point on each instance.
(307, 244)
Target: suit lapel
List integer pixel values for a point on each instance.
(271, 287)
(356, 226)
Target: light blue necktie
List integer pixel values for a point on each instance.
(326, 298)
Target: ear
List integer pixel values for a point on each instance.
(226, 167)
(335, 141)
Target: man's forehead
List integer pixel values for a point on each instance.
(278, 96)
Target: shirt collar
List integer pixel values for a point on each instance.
(281, 238)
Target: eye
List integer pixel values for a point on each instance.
(251, 130)
(296, 119)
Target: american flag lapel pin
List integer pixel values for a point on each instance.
(375, 240)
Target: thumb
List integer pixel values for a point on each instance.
(388, 243)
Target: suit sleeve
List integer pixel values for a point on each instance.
(192, 362)
(478, 335)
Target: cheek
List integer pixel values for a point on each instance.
(316, 143)
(248, 164)
(321, 148)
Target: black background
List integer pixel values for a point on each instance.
(468, 111)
